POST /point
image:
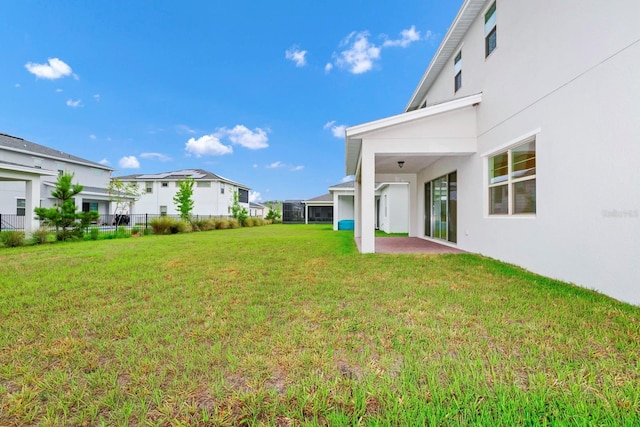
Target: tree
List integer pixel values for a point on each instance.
(273, 214)
(184, 198)
(64, 215)
(237, 211)
(123, 195)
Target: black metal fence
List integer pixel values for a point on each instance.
(106, 222)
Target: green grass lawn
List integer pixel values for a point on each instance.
(288, 325)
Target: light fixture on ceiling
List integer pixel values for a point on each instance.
(400, 163)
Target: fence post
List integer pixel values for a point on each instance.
(146, 220)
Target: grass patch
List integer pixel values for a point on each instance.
(380, 233)
(288, 325)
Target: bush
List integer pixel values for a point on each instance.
(12, 239)
(233, 223)
(41, 235)
(248, 222)
(208, 224)
(94, 232)
(137, 231)
(162, 225)
(222, 224)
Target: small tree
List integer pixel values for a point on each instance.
(237, 211)
(184, 198)
(273, 214)
(64, 215)
(123, 195)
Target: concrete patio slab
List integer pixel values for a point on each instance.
(410, 245)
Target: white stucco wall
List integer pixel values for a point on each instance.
(574, 85)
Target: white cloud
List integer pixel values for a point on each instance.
(253, 140)
(359, 55)
(97, 97)
(255, 166)
(336, 130)
(92, 136)
(54, 69)
(275, 165)
(184, 129)
(74, 104)
(58, 90)
(156, 156)
(129, 162)
(297, 168)
(104, 161)
(254, 196)
(406, 38)
(328, 67)
(296, 55)
(17, 84)
(348, 178)
(207, 145)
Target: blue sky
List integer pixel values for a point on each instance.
(258, 92)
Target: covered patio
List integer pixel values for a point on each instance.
(400, 149)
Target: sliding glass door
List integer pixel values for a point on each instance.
(441, 207)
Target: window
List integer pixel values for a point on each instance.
(512, 180)
(21, 207)
(149, 187)
(164, 184)
(457, 70)
(243, 196)
(37, 163)
(490, 32)
(204, 184)
(441, 208)
(163, 211)
(222, 188)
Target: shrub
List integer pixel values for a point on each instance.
(161, 225)
(233, 223)
(208, 224)
(41, 235)
(222, 224)
(182, 227)
(136, 231)
(94, 232)
(12, 239)
(248, 222)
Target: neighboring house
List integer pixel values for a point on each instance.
(28, 172)
(212, 194)
(520, 142)
(391, 205)
(319, 210)
(257, 210)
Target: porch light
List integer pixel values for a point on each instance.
(400, 163)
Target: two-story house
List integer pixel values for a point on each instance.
(521, 142)
(212, 194)
(28, 173)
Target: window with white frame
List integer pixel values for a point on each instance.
(21, 207)
(204, 184)
(222, 188)
(149, 187)
(512, 180)
(490, 30)
(164, 184)
(163, 211)
(457, 71)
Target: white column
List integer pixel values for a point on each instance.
(32, 201)
(368, 197)
(306, 213)
(336, 210)
(357, 209)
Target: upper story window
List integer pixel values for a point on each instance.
(243, 195)
(490, 30)
(512, 180)
(204, 184)
(164, 184)
(149, 187)
(37, 163)
(222, 188)
(457, 71)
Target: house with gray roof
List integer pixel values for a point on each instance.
(28, 172)
(212, 194)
